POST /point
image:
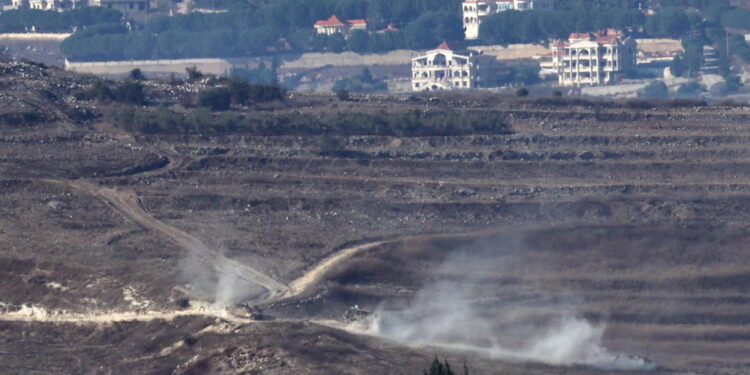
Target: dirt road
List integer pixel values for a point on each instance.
(128, 204)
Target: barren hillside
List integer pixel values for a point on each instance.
(586, 216)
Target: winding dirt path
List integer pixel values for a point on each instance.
(316, 274)
(128, 204)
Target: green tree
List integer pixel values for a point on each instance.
(677, 67)
(693, 55)
(358, 41)
(527, 74)
(668, 22)
(443, 368)
(335, 43)
(431, 28)
(733, 83)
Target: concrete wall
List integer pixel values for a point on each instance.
(34, 36)
(512, 51)
(151, 67)
(316, 60)
(224, 66)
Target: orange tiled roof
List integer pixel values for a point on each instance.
(333, 21)
(444, 46)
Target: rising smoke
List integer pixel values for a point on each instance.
(216, 278)
(460, 310)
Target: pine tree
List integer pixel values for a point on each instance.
(438, 368)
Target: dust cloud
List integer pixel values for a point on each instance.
(216, 278)
(459, 309)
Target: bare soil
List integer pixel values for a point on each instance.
(639, 215)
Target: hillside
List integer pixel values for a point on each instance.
(569, 237)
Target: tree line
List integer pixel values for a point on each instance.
(709, 22)
(538, 26)
(255, 28)
(262, 28)
(22, 20)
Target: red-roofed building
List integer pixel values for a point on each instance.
(334, 25)
(592, 59)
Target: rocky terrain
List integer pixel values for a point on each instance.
(624, 217)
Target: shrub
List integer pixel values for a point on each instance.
(557, 93)
(654, 90)
(190, 340)
(216, 98)
(689, 89)
(266, 93)
(522, 92)
(193, 74)
(342, 94)
(137, 75)
(129, 92)
(239, 90)
(183, 302)
(442, 368)
(100, 91)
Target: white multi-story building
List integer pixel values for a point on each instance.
(474, 11)
(443, 69)
(591, 59)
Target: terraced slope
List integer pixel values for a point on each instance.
(635, 219)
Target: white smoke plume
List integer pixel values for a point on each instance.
(467, 314)
(216, 278)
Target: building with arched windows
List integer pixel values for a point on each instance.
(474, 11)
(444, 69)
(591, 59)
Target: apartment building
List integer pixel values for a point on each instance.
(592, 59)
